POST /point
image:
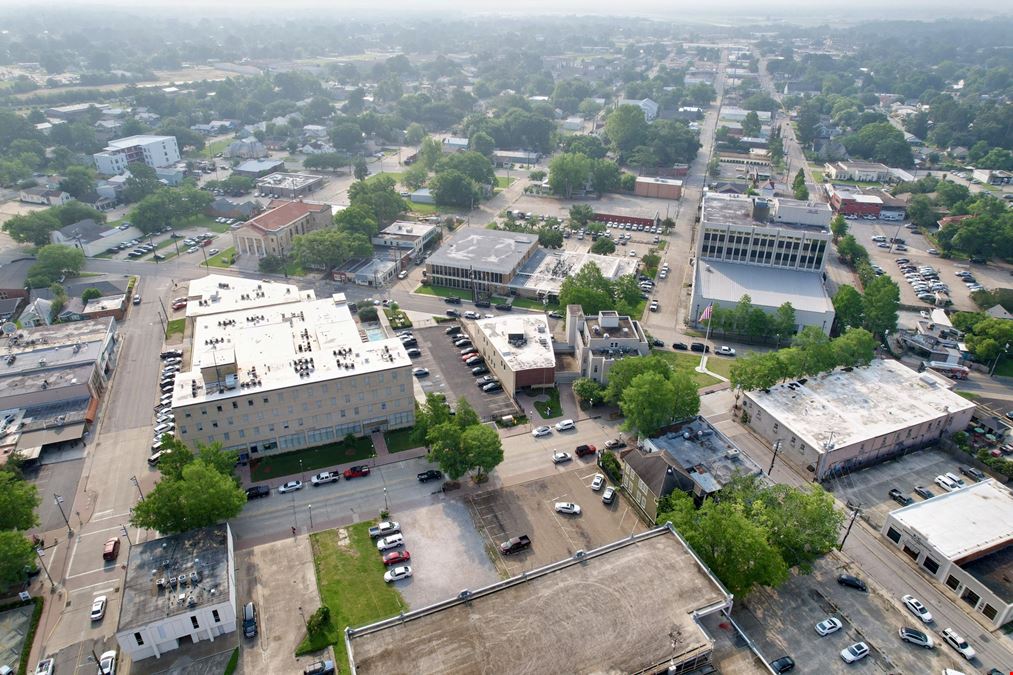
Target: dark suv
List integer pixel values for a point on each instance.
(257, 491)
(431, 474)
(483, 303)
(699, 347)
(585, 450)
(503, 307)
(452, 301)
(852, 582)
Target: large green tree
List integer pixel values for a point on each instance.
(569, 172)
(838, 227)
(357, 218)
(141, 183)
(626, 127)
(453, 188)
(624, 371)
(32, 228)
(880, 301)
(18, 501)
(52, 261)
(732, 545)
(16, 555)
(647, 403)
(849, 307)
(203, 496)
(483, 448)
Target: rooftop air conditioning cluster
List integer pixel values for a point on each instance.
(304, 366)
(345, 352)
(225, 323)
(254, 380)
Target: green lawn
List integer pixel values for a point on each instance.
(400, 440)
(443, 292)
(424, 209)
(551, 408)
(720, 365)
(528, 303)
(350, 581)
(504, 182)
(396, 175)
(969, 395)
(319, 457)
(175, 326)
(222, 259)
(1005, 368)
(398, 319)
(686, 363)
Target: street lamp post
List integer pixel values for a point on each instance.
(386, 503)
(59, 504)
(137, 484)
(309, 507)
(126, 535)
(997, 357)
(42, 564)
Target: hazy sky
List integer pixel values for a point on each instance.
(735, 11)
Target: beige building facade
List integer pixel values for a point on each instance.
(272, 232)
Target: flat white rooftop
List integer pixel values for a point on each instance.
(217, 293)
(534, 351)
(546, 270)
(765, 286)
(881, 398)
(958, 524)
(131, 141)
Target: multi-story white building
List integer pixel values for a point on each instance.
(740, 252)
(847, 419)
(408, 236)
(176, 588)
(964, 540)
(273, 369)
(155, 151)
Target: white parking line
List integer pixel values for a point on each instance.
(101, 583)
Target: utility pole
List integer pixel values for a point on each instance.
(777, 448)
(854, 514)
(42, 563)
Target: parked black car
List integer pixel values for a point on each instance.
(504, 307)
(700, 347)
(899, 497)
(783, 664)
(452, 301)
(483, 303)
(852, 582)
(431, 474)
(453, 313)
(681, 346)
(257, 491)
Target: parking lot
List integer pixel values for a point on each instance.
(449, 375)
(990, 276)
(528, 508)
(870, 487)
(219, 241)
(448, 554)
(782, 621)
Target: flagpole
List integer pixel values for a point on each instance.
(707, 313)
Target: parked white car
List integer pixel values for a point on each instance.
(915, 606)
(538, 432)
(565, 425)
(568, 508)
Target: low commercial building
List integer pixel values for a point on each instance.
(504, 157)
(406, 236)
(863, 172)
(600, 340)
(155, 151)
(455, 144)
(806, 213)
(176, 588)
(848, 419)
(289, 185)
(247, 148)
(52, 381)
(422, 196)
(668, 591)
(693, 457)
(272, 232)
(735, 114)
(542, 275)
(517, 348)
(482, 261)
(256, 168)
(659, 188)
(964, 540)
(992, 176)
(93, 237)
(273, 369)
(851, 201)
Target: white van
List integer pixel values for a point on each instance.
(565, 425)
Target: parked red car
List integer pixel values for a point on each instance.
(586, 450)
(395, 557)
(356, 472)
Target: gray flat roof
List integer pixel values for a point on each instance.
(204, 551)
(496, 251)
(545, 270)
(712, 458)
(765, 286)
(615, 610)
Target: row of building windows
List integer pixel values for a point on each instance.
(387, 392)
(314, 420)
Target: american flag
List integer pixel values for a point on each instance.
(706, 313)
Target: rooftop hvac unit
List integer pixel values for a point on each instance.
(732, 453)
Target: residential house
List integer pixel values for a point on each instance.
(649, 107)
(9, 308)
(454, 144)
(992, 176)
(93, 237)
(864, 172)
(247, 148)
(44, 196)
(224, 208)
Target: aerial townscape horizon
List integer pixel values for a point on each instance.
(416, 338)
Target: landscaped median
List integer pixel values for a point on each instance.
(311, 459)
(222, 259)
(350, 580)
